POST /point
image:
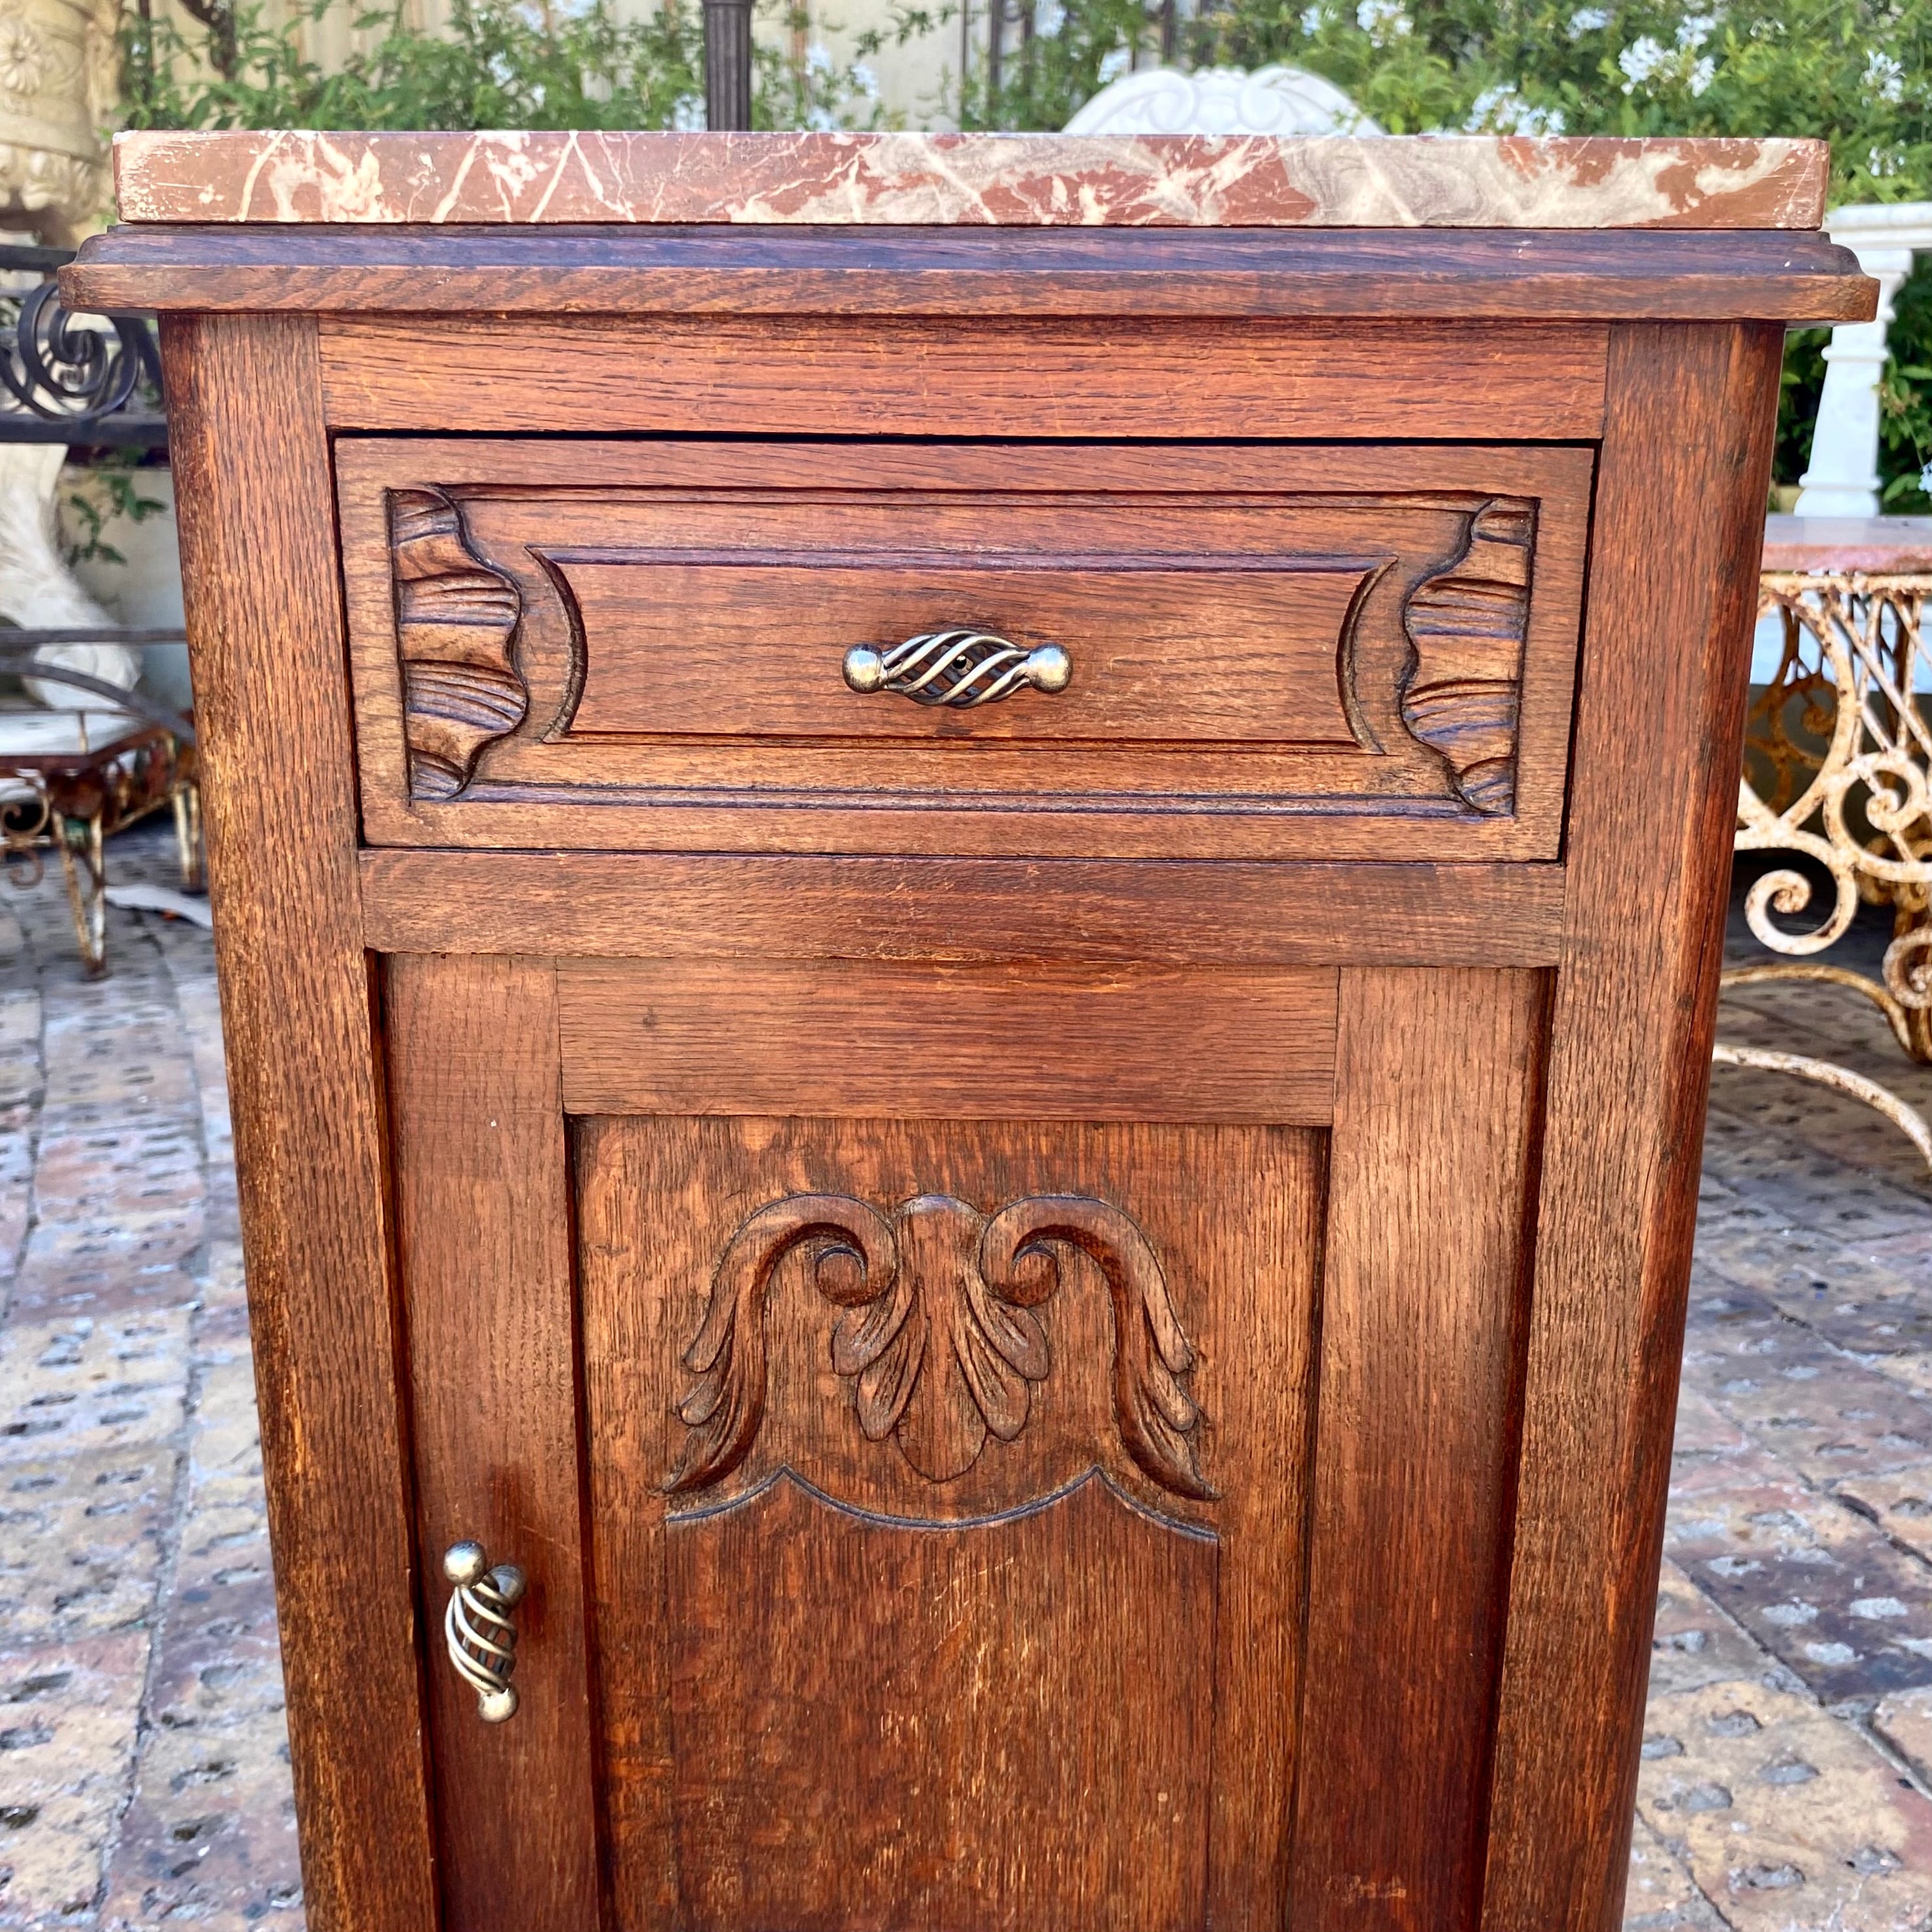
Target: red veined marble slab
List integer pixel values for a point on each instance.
(1021, 180)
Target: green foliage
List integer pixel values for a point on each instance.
(1852, 71)
(1057, 57)
(1904, 396)
(1905, 402)
(499, 64)
(108, 488)
(1803, 382)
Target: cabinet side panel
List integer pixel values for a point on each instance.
(265, 631)
(483, 1224)
(1686, 462)
(1438, 1076)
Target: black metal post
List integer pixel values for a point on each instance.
(727, 63)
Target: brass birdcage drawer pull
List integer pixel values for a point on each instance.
(958, 668)
(477, 1629)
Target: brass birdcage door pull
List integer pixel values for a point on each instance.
(477, 1630)
(961, 667)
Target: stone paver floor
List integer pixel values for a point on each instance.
(1787, 1776)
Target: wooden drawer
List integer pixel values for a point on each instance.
(1272, 651)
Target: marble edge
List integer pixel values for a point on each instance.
(1879, 546)
(1018, 180)
(1902, 560)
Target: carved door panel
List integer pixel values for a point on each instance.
(949, 1561)
(1034, 1453)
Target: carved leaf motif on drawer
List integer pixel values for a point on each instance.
(456, 625)
(937, 1333)
(1468, 624)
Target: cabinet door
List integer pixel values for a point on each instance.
(992, 1446)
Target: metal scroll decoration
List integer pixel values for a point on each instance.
(1840, 747)
(961, 668)
(937, 1333)
(477, 1630)
(79, 376)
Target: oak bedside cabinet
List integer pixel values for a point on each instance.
(969, 892)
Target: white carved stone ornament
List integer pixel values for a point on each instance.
(58, 81)
(1222, 100)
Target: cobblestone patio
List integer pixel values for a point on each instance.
(1787, 1781)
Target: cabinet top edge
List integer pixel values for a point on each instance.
(1030, 180)
(1491, 274)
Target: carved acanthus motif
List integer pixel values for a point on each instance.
(456, 618)
(1468, 624)
(937, 1332)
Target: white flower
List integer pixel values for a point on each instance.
(1588, 20)
(865, 80)
(1703, 71)
(1312, 18)
(822, 121)
(818, 59)
(1639, 60)
(1884, 75)
(1694, 29)
(1384, 21)
(1502, 110)
(687, 114)
(1887, 160)
(1114, 65)
(1048, 18)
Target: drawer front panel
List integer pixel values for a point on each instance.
(1244, 651)
(1283, 653)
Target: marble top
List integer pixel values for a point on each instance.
(1020, 180)
(1845, 546)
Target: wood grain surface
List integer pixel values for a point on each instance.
(264, 626)
(482, 1199)
(1175, 912)
(1047, 1043)
(1321, 652)
(685, 640)
(1075, 1322)
(1431, 1173)
(1027, 1693)
(629, 270)
(1686, 455)
(1021, 379)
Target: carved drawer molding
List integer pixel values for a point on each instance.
(1463, 694)
(456, 624)
(1326, 654)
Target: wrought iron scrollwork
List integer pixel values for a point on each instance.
(1839, 772)
(961, 667)
(71, 378)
